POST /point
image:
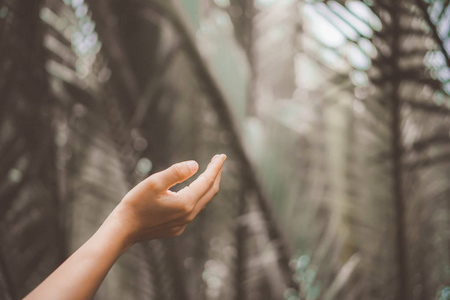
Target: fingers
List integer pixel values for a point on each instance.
(175, 174)
(205, 181)
(208, 195)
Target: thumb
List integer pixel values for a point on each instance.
(176, 173)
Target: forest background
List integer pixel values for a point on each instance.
(334, 116)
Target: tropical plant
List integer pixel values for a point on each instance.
(104, 111)
(334, 116)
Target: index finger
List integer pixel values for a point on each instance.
(205, 181)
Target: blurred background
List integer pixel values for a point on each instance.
(335, 116)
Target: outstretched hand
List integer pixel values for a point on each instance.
(150, 210)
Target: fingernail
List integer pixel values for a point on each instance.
(193, 165)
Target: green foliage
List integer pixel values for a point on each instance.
(334, 116)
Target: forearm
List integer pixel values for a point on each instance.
(82, 273)
(150, 210)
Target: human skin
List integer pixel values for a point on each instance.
(148, 211)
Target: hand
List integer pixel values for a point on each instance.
(150, 210)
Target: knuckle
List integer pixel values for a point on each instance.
(153, 184)
(187, 207)
(178, 170)
(189, 218)
(216, 189)
(179, 231)
(210, 181)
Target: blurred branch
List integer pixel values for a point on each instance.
(241, 245)
(6, 274)
(342, 277)
(220, 101)
(153, 86)
(107, 26)
(424, 163)
(424, 8)
(397, 170)
(430, 108)
(423, 144)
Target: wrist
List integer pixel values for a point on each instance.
(116, 226)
